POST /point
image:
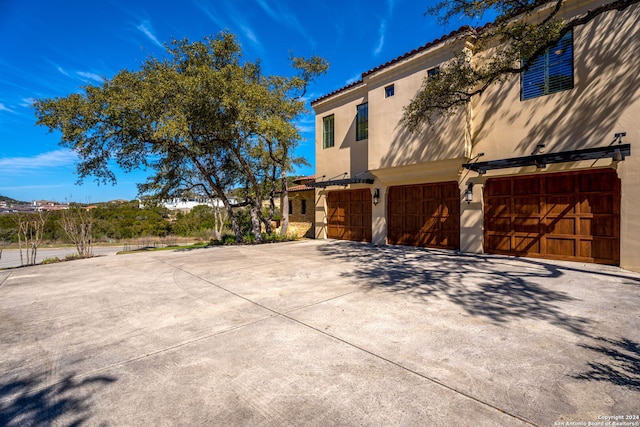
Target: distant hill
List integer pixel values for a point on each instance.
(12, 201)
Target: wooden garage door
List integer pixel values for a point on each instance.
(568, 216)
(349, 215)
(425, 215)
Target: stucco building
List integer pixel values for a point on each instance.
(301, 208)
(538, 166)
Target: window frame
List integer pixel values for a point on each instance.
(328, 135)
(303, 207)
(539, 73)
(362, 121)
(389, 90)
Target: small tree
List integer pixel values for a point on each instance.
(30, 232)
(77, 223)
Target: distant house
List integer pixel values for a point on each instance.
(47, 206)
(188, 202)
(301, 208)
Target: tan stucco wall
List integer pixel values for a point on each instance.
(605, 100)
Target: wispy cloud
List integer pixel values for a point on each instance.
(306, 123)
(52, 159)
(90, 76)
(382, 31)
(145, 28)
(248, 32)
(5, 108)
(354, 79)
(229, 11)
(214, 17)
(283, 15)
(27, 102)
(62, 71)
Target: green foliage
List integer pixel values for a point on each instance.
(200, 222)
(493, 53)
(199, 118)
(275, 237)
(127, 221)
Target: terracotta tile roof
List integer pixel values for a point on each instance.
(304, 179)
(442, 39)
(299, 188)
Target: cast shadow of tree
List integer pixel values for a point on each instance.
(497, 288)
(26, 402)
(493, 287)
(621, 366)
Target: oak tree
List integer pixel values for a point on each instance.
(201, 119)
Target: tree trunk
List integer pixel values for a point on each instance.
(285, 206)
(256, 226)
(235, 227)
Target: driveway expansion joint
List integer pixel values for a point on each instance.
(350, 344)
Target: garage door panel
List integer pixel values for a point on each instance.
(525, 244)
(431, 215)
(499, 243)
(526, 186)
(500, 188)
(431, 208)
(527, 205)
(557, 205)
(598, 204)
(604, 248)
(560, 184)
(450, 225)
(563, 226)
(593, 183)
(561, 247)
(601, 226)
(428, 239)
(349, 215)
(502, 225)
(526, 225)
(499, 207)
(579, 216)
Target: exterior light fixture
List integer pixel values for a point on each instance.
(468, 193)
(376, 196)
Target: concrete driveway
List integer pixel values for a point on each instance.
(318, 333)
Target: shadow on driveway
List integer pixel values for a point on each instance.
(28, 402)
(620, 366)
(500, 289)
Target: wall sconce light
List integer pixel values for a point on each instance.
(376, 196)
(468, 193)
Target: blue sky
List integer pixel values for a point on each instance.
(52, 48)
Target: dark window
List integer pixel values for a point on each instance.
(362, 122)
(550, 72)
(389, 91)
(433, 72)
(328, 131)
(303, 207)
(290, 207)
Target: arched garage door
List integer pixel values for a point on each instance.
(425, 215)
(567, 216)
(349, 215)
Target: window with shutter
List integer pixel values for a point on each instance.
(551, 72)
